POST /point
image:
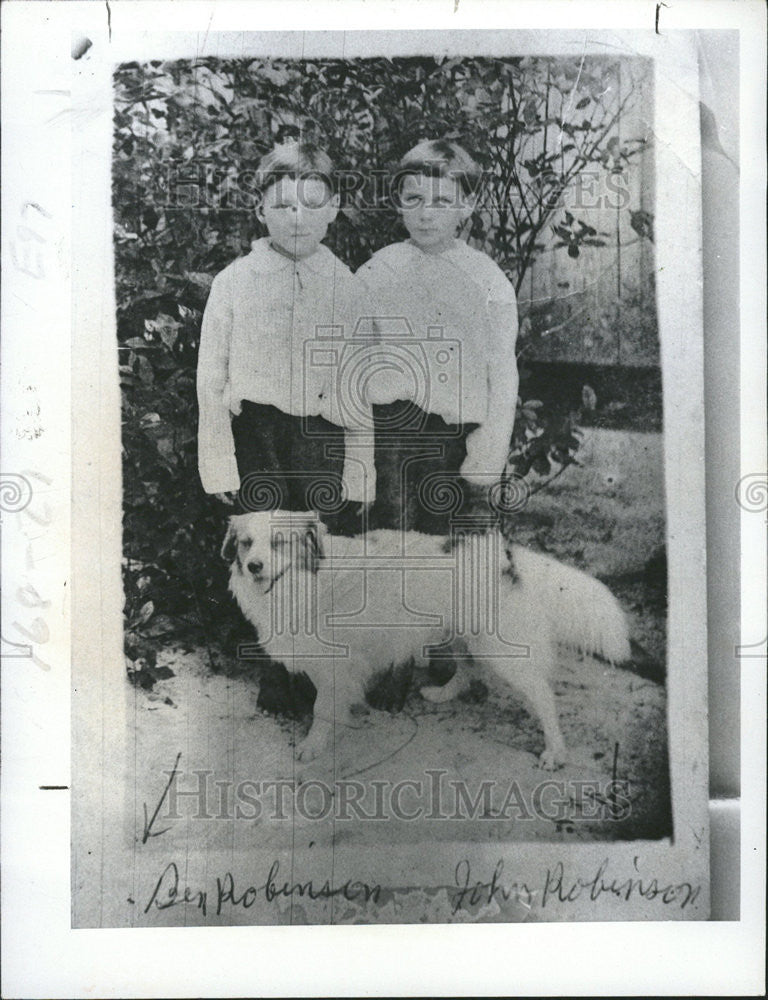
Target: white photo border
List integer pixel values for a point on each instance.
(98, 490)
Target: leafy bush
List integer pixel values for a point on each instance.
(188, 136)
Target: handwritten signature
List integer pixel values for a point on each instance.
(169, 891)
(486, 892)
(568, 889)
(560, 888)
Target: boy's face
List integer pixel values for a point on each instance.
(297, 213)
(433, 208)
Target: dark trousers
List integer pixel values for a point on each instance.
(291, 463)
(418, 456)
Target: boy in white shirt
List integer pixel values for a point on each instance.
(445, 417)
(272, 433)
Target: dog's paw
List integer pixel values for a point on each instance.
(309, 749)
(551, 759)
(436, 694)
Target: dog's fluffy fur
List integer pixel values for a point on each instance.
(343, 609)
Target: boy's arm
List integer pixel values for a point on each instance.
(215, 443)
(488, 446)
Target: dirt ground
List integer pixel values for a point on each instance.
(605, 517)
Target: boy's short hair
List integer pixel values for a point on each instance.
(440, 158)
(295, 159)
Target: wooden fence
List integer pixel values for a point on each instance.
(600, 308)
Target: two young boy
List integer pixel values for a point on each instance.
(439, 383)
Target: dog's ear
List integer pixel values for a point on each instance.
(229, 545)
(311, 549)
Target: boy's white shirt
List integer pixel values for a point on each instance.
(462, 296)
(271, 330)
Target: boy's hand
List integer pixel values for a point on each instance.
(227, 498)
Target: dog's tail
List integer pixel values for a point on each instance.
(583, 612)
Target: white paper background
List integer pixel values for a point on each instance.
(42, 956)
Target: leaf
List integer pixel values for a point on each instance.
(582, 103)
(165, 447)
(201, 278)
(146, 373)
(123, 234)
(139, 676)
(146, 612)
(150, 217)
(169, 335)
(166, 326)
(276, 75)
(529, 111)
(541, 465)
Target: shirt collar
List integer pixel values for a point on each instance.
(266, 260)
(416, 251)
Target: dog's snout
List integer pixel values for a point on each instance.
(255, 566)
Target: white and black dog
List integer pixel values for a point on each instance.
(344, 609)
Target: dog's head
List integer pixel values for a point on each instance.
(264, 547)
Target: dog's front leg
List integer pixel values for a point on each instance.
(331, 713)
(316, 739)
(321, 730)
